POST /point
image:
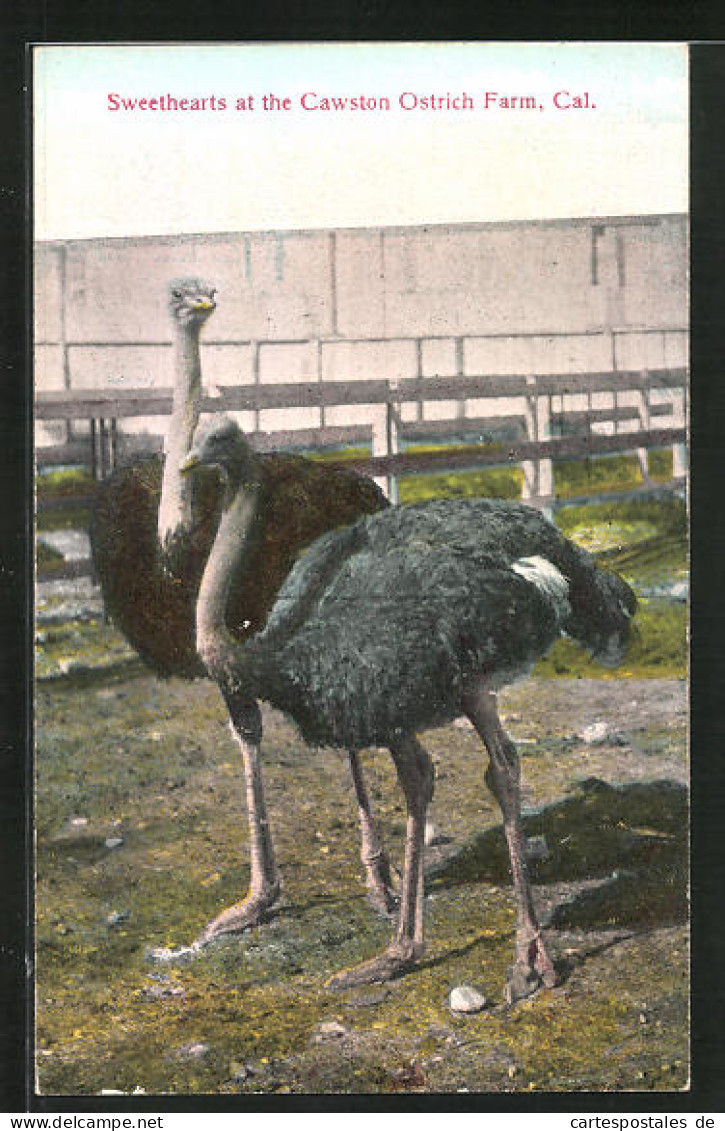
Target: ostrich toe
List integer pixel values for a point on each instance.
(530, 973)
(251, 912)
(392, 963)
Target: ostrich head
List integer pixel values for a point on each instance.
(603, 619)
(191, 301)
(221, 445)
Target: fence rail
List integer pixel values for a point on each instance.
(540, 414)
(81, 404)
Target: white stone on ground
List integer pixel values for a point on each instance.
(595, 732)
(466, 999)
(330, 1031)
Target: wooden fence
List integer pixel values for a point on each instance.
(650, 405)
(644, 410)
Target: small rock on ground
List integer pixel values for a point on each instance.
(156, 992)
(329, 1031)
(466, 999)
(595, 733)
(194, 1051)
(241, 1072)
(115, 918)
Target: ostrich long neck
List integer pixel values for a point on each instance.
(214, 643)
(175, 517)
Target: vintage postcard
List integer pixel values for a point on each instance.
(361, 376)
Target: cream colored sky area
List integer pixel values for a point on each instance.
(135, 172)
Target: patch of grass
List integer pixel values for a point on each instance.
(490, 483)
(77, 646)
(339, 454)
(67, 484)
(668, 515)
(501, 482)
(608, 473)
(72, 518)
(571, 478)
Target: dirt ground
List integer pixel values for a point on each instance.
(142, 839)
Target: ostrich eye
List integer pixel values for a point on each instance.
(176, 294)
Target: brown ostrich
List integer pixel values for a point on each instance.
(151, 533)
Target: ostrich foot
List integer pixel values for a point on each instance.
(530, 972)
(241, 916)
(397, 960)
(381, 892)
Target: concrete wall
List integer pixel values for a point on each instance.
(370, 303)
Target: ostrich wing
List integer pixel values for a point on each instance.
(389, 647)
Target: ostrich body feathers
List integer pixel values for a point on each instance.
(379, 628)
(155, 609)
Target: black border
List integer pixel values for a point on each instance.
(15, 487)
(708, 551)
(132, 21)
(106, 20)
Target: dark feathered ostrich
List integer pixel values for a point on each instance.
(151, 533)
(401, 622)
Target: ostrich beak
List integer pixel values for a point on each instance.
(192, 461)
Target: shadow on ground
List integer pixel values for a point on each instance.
(633, 838)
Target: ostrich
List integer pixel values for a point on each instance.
(151, 535)
(401, 622)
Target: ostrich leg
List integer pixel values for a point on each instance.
(372, 854)
(532, 965)
(264, 884)
(415, 773)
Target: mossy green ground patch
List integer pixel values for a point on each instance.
(66, 485)
(571, 478)
(152, 765)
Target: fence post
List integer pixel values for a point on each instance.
(256, 379)
(538, 472)
(94, 450)
(102, 448)
(679, 451)
(386, 442)
(530, 467)
(644, 423)
(63, 329)
(113, 444)
(320, 379)
(543, 427)
(393, 434)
